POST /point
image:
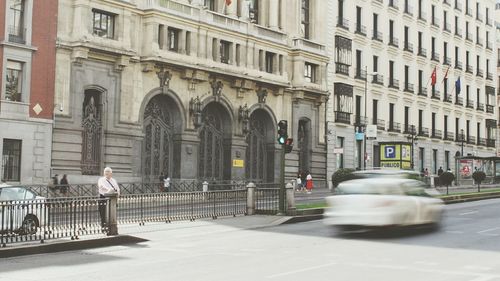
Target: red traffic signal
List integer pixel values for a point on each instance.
(288, 145)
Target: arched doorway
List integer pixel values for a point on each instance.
(91, 132)
(304, 144)
(158, 138)
(215, 143)
(260, 148)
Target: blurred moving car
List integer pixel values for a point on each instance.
(21, 210)
(379, 202)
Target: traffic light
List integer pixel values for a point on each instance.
(282, 131)
(288, 145)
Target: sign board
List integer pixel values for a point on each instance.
(371, 132)
(360, 136)
(338, 150)
(238, 163)
(395, 155)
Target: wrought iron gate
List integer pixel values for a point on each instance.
(256, 154)
(91, 134)
(211, 155)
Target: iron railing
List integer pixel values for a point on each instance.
(377, 35)
(448, 98)
(458, 65)
(380, 124)
(394, 127)
(342, 117)
(408, 47)
(437, 134)
(422, 52)
(449, 136)
(490, 143)
(459, 101)
(424, 132)
(378, 79)
(436, 95)
(470, 104)
(394, 83)
(393, 41)
(409, 87)
(44, 219)
(267, 200)
(17, 34)
(422, 91)
(343, 22)
(468, 69)
(360, 29)
(480, 106)
(342, 68)
(490, 108)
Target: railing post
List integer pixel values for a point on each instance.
(290, 199)
(250, 198)
(112, 215)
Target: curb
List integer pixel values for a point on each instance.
(64, 246)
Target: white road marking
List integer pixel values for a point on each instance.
(468, 213)
(488, 230)
(301, 270)
(482, 278)
(454, 231)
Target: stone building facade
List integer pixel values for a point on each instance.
(28, 30)
(193, 89)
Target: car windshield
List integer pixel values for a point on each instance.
(366, 188)
(12, 193)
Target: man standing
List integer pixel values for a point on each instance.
(107, 185)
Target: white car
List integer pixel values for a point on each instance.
(21, 210)
(379, 202)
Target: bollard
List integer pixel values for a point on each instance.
(250, 198)
(205, 186)
(290, 199)
(112, 214)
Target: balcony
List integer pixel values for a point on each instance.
(394, 83)
(360, 74)
(422, 91)
(489, 45)
(490, 143)
(479, 41)
(470, 104)
(481, 141)
(343, 23)
(408, 47)
(393, 4)
(409, 88)
(360, 29)
(437, 134)
(458, 32)
(394, 127)
(468, 69)
(380, 124)
(435, 56)
(468, 36)
(394, 42)
(448, 98)
(449, 136)
(490, 108)
(446, 27)
(489, 76)
(343, 117)
(377, 35)
(422, 52)
(423, 132)
(489, 22)
(458, 6)
(342, 68)
(468, 12)
(459, 101)
(447, 61)
(17, 35)
(471, 140)
(458, 65)
(480, 106)
(436, 95)
(479, 17)
(409, 129)
(409, 10)
(422, 16)
(479, 73)
(360, 120)
(378, 79)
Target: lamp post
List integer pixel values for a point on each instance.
(462, 140)
(366, 119)
(412, 137)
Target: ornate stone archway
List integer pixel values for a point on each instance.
(91, 132)
(260, 148)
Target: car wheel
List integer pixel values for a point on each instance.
(30, 225)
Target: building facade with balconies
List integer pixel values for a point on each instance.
(382, 76)
(28, 31)
(192, 89)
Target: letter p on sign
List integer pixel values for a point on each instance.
(390, 151)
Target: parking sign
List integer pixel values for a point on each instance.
(390, 151)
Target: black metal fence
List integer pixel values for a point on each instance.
(267, 199)
(43, 219)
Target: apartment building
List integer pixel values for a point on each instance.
(421, 73)
(27, 77)
(192, 89)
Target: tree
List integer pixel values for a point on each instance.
(342, 175)
(446, 178)
(479, 176)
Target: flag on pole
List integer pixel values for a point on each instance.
(446, 74)
(433, 77)
(228, 2)
(458, 87)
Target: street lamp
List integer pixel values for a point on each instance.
(412, 137)
(462, 140)
(366, 119)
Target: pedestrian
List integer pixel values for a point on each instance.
(298, 181)
(426, 175)
(107, 185)
(64, 185)
(309, 183)
(161, 178)
(166, 183)
(303, 177)
(440, 172)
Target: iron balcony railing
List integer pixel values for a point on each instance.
(447, 60)
(480, 106)
(468, 12)
(394, 4)
(422, 52)
(17, 34)
(408, 47)
(447, 27)
(449, 136)
(361, 29)
(360, 73)
(459, 101)
(489, 22)
(470, 104)
(343, 117)
(435, 22)
(422, 91)
(393, 41)
(479, 41)
(490, 143)
(424, 132)
(479, 16)
(394, 83)
(471, 140)
(378, 79)
(394, 127)
(481, 141)
(377, 35)
(381, 124)
(489, 45)
(490, 108)
(468, 36)
(343, 23)
(409, 88)
(468, 69)
(408, 10)
(437, 134)
(458, 65)
(489, 76)
(422, 16)
(435, 56)
(360, 120)
(479, 73)
(409, 129)
(458, 32)
(448, 98)
(458, 6)
(342, 68)
(436, 95)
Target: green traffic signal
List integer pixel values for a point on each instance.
(281, 140)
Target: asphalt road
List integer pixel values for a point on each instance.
(465, 248)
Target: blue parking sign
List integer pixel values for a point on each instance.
(390, 151)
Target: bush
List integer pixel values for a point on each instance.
(342, 175)
(479, 177)
(446, 178)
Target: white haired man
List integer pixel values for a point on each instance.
(107, 185)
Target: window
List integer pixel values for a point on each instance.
(14, 81)
(305, 19)
(270, 62)
(104, 24)
(343, 54)
(407, 119)
(340, 156)
(173, 39)
(434, 161)
(210, 4)
(310, 72)
(391, 115)
(11, 160)
(446, 160)
(16, 21)
(358, 19)
(391, 72)
(225, 52)
(254, 11)
(375, 112)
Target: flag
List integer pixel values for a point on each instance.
(457, 86)
(446, 74)
(433, 77)
(228, 2)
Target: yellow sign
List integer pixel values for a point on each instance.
(391, 165)
(238, 163)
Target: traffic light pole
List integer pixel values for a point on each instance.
(282, 182)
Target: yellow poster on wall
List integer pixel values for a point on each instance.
(395, 155)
